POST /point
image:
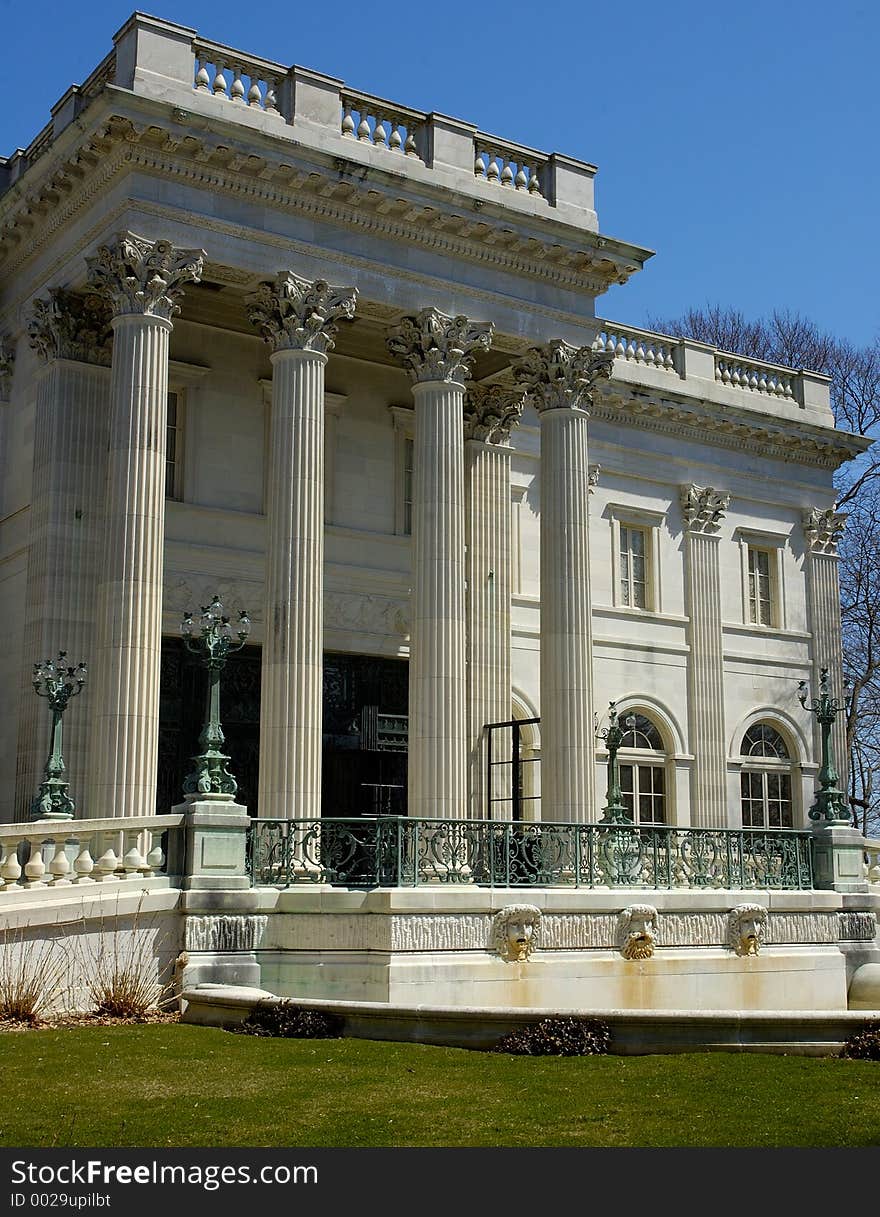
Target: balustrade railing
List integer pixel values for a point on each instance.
(382, 123)
(755, 377)
(503, 164)
(240, 79)
(83, 851)
(638, 346)
(872, 861)
(399, 851)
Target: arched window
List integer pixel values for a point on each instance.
(642, 759)
(765, 781)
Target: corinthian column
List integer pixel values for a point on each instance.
(71, 335)
(823, 529)
(436, 350)
(298, 319)
(143, 280)
(703, 510)
(490, 413)
(557, 379)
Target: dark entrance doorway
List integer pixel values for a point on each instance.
(365, 728)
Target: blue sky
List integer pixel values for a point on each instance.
(739, 141)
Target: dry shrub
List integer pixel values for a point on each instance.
(290, 1022)
(560, 1036)
(32, 976)
(864, 1045)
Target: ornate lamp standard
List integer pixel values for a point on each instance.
(830, 805)
(214, 643)
(615, 811)
(58, 683)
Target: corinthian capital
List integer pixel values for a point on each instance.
(67, 326)
(296, 314)
(490, 411)
(703, 508)
(7, 362)
(823, 529)
(433, 346)
(557, 376)
(143, 277)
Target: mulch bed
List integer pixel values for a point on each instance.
(89, 1020)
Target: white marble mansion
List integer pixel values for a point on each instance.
(338, 361)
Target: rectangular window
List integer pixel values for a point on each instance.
(752, 800)
(634, 592)
(760, 587)
(174, 448)
(643, 791)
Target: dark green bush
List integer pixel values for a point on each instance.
(558, 1037)
(284, 1020)
(864, 1045)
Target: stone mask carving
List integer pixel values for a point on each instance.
(514, 931)
(747, 923)
(637, 925)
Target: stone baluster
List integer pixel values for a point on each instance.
(823, 528)
(490, 413)
(84, 863)
(558, 379)
(143, 280)
(436, 351)
(299, 320)
(72, 337)
(703, 511)
(59, 867)
(10, 867)
(35, 867)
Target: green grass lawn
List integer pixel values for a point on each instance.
(182, 1085)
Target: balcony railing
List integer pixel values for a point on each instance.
(399, 851)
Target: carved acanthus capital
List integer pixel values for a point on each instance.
(7, 363)
(68, 326)
(141, 277)
(703, 508)
(433, 346)
(490, 412)
(557, 376)
(823, 529)
(295, 314)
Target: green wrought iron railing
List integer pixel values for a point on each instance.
(399, 851)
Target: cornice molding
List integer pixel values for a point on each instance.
(33, 217)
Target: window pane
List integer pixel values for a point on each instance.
(642, 735)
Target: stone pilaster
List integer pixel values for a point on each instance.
(558, 379)
(490, 413)
(436, 350)
(298, 318)
(71, 335)
(143, 281)
(702, 511)
(823, 529)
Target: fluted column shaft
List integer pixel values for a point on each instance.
(65, 559)
(125, 714)
(567, 744)
(488, 571)
(292, 671)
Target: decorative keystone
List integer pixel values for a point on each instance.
(295, 314)
(557, 376)
(490, 413)
(823, 529)
(434, 346)
(703, 508)
(141, 277)
(69, 326)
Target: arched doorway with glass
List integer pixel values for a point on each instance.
(645, 771)
(767, 792)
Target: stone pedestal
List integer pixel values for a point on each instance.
(143, 281)
(436, 350)
(839, 859)
(214, 845)
(298, 320)
(557, 379)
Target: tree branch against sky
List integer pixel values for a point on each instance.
(794, 341)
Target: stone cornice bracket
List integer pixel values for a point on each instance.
(435, 347)
(69, 326)
(490, 412)
(823, 529)
(143, 278)
(703, 508)
(557, 376)
(295, 314)
(7, 363)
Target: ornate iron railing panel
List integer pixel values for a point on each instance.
(399, 851)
